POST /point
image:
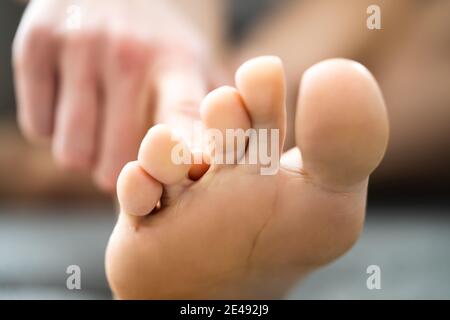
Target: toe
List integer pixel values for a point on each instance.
(164, 155)
(261, 83)
(341, 123)
(137, 192)
(224, 115)
(291, 160)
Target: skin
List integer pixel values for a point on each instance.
(235, 233)
(87, 131)
(408, 57)
(127, 59)
(325, 190)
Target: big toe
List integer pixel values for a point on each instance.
(341, 123)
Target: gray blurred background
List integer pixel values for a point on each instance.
(409, 244)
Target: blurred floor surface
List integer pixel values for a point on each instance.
(410, 245)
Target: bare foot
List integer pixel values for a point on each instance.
(235, 233)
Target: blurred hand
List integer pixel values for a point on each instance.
(92, 76)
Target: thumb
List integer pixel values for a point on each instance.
(180, 89)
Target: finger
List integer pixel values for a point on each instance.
(180, 88)
(34, 61)
(77, 110)
(125, 115)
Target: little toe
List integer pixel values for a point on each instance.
(138, 193)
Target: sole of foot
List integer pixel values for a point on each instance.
(235, 233)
